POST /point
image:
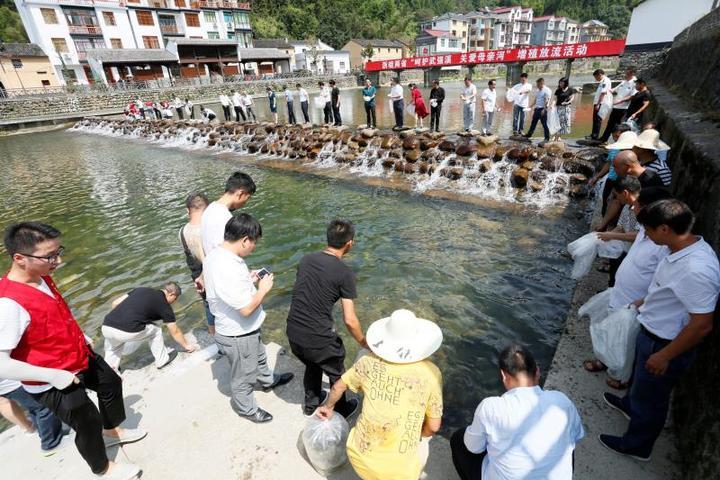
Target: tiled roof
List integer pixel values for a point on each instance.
(22, 50)
(272, 43)
(131, 55)
(438, 33)
(379, 43)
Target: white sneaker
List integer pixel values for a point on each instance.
(129, 435)
(121, 471)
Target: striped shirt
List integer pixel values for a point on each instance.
(661, 168)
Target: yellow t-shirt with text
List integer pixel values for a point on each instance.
(397, 397)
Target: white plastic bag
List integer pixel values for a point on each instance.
(613, 340)
(597, 306)
(410, 109)
(319, 102)
(324, 442)
(511, 95)
(583, 251)
(392, 105)
(611, 249)
(606, 106)
(633, 125)
(553, 121)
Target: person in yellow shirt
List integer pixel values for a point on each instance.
(403, 397)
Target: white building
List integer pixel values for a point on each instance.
(433, 42)
(480, 30)
(320, 58)
(552, 30)
(513, 27)
(654, 23)
(67, 30)
(455, 24)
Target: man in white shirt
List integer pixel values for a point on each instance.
(468, 96)
(237, 102)
(225, 102)
(304, 101)
(489, 104)
(290, 105)
(327, 107)
(396, 96)
(247, 103)
(623, 93)
(526, 433)
(542, 104)
(521, 92)
(675, 316)
(237, 306)
(604, 88)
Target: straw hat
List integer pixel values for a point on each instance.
(625, 141)
(403, 338)
(650, 140)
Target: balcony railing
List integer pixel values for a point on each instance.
(88, 3)
(220, 4)
(82, 56)
(157, 3)
(85, 29)
(170, 30)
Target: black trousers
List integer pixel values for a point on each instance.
(539, 115)
(304, 108)
(291, 112)
(596, 124)
(227, 113)
(239, 114)
(467, 464)
(435, 117)
(370, 114)
(180, 113)
(328, 113)
(192, 112)
(398, 107)
(73, 407)
(615, 119)
(336, 114)
(613, 268)
(250, 112)
(607, 190)
(329, 359)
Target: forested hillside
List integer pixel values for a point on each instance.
(11, 27)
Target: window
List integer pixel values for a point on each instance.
(192, 19)
(342, 65)
(115, 43)
(231, 35)
(133, 1)
(109, 18)
(45, 83)
(60, 45)
(144, 17)
(442, 42)
(89, 43)
(242, 20)
(228, 18)
(180, 3)
(151, 42)
(49, 16)
(210, 17)
(16, 63)
(213, 35)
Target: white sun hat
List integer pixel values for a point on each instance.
(625, 141)
(650, 140)
(404, 338)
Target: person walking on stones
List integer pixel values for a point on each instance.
(509, 435)
(623, 93)
(469, 96)
(248, 103)
(675, 316)
(226, 106)
(323, 279)
(520, 95)
(603, 90)
(489, 106)
(564, 97)
(398, 104)
(437, 97)
(540, 112)
(272, 102)
(236, 303)
(327, 104)
(369, 93)
(304, 102)
(335, 99)
(237, 102)
(42, 345)
(132, 320)
(403, 397)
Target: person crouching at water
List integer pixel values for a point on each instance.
(132, 321)
(236, 303)
(207, 114)
(42, 345)
(398, 382)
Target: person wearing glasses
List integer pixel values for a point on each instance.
(42, 345)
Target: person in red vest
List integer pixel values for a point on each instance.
(42, 345)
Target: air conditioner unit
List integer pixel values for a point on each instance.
(67, 57)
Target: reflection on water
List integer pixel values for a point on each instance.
(487, 276)
(352, 108)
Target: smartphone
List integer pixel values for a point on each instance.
(262, 272)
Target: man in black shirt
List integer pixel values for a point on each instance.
(335, 100)
(437, 96)
(322, 279)
(132, 320)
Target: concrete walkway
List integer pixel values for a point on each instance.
(592, 460)
(194, 434)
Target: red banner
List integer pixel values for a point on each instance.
(508, 55)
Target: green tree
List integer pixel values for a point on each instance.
(11, 27)
(299, 21)
(266, 26)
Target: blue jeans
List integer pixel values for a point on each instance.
(648, 400)
(538, 115)
(48, 426)
(208, 314)
(518, 118)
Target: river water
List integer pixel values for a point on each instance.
(487, 275)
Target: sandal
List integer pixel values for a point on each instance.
(594, 366)
(616, 384)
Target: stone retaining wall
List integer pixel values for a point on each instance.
(84, 104)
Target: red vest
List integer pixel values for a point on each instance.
(53, 339)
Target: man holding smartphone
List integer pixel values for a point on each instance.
(322, 279)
